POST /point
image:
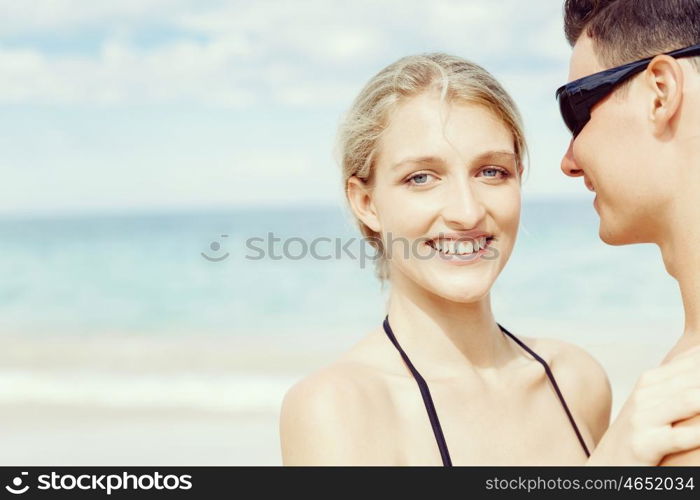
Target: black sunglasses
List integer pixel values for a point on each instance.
(578, 97)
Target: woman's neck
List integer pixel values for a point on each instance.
(443, 337)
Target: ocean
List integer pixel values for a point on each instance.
(119, 332)
(159, 274)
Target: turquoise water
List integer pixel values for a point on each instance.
(145, 273)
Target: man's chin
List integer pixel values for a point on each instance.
(624, 227)
(613, 236)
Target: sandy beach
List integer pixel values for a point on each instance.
(93, 435)
(144, 401)
(124, 399)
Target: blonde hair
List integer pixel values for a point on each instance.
(362, 126)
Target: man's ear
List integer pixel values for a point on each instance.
(664, 76)
(361, 202)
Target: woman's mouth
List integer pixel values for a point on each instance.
(461, 251)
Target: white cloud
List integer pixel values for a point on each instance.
(322, 31)
(276, 59)
(240, 54)
(122, 74)
(31, 17)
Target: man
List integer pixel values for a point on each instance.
(636, 135)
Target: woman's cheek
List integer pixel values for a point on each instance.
(505, 207)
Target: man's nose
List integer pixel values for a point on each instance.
(568, 165)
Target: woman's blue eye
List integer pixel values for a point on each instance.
(494, 172)
(419, 179)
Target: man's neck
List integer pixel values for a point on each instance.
(680, 249)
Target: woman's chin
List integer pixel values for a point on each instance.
(465, 297)
(461, 290)
(455, 283)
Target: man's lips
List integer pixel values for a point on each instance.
(588, 184)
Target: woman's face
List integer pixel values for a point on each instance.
(446, 180)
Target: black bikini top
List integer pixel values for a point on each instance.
(430, 407)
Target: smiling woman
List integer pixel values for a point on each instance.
(426, 78)
(432, 152)
(432, 159)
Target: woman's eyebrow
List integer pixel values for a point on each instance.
(419, 160)
(486, 156)
(495, 156)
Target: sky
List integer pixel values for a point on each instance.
(179, 104)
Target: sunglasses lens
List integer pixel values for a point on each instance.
(567, 113)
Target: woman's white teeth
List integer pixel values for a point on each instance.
(460, 247)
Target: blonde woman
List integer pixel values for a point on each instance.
(432, 158)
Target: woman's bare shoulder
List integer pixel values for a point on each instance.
(581, 379)
(324, 412)
(344, 382)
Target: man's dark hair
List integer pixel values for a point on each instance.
(627, 30)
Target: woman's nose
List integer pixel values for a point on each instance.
(462, 206)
